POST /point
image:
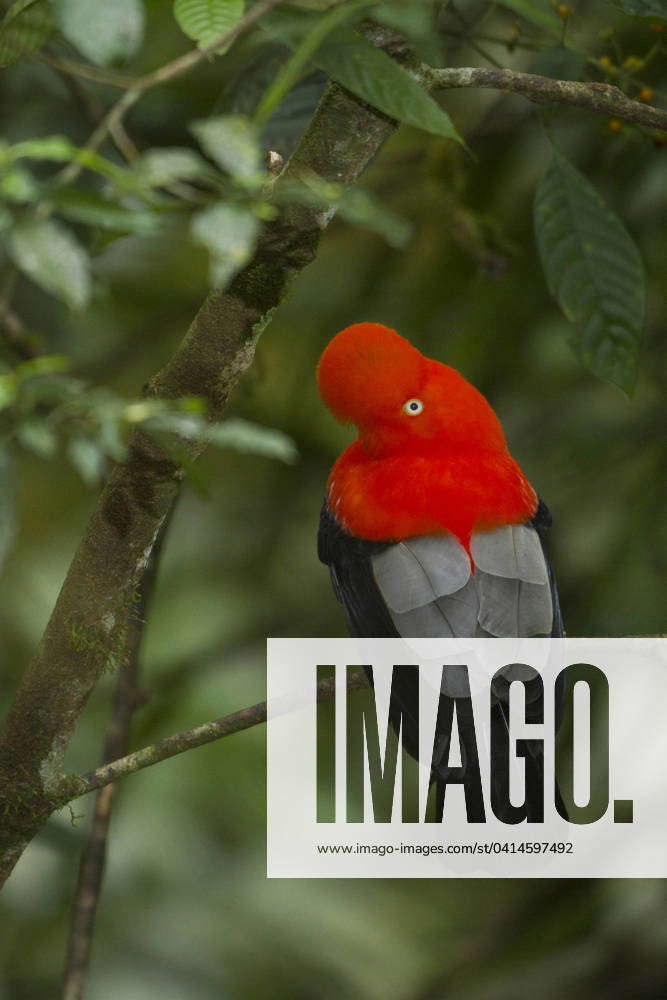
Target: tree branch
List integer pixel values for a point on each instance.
(93, 859)
(601, 98)
(89, 620)
(73, 787)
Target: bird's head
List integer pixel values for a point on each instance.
(373, 378)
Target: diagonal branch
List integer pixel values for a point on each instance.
(89, 620)
(73, 787)
(601, 98)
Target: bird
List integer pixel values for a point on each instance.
(429, 527)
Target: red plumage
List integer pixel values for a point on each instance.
(439, 466)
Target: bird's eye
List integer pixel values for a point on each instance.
(413, 407)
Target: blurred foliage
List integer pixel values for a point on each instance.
(187, 912)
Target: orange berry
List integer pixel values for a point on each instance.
(656, 27)
(615, 126)
(564, 11)
(645, 94)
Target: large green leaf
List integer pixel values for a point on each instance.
(371, 74)
(229, 233)
(105, 31)
(593, 269)
(206, 20)
(537, 12)
(656, 10)
(49, 254)
(368, 72)
(24, 28)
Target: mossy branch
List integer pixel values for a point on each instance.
(92, 610)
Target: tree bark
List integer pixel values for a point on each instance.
(85, 635)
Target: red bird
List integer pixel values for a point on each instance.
(429, 526)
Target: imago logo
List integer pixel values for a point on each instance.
(470, 758)
(454, 737)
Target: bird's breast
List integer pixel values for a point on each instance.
(401, 496)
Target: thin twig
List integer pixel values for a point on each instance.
(93, 858)
(601, 98)
(124, 143)
(15, 333)
(95, 112)
(246, 718)
(85, 72)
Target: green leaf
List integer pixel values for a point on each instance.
(44, 364)
(302, 56)
(18, 185)
(50, 147)
(356, 206)
(360, 209)
(105, 31)
(252, 439)
(205, 20)
(8, 389)
(371, 74)
(157, 167)
(229, 233)
(656, 10)
(231, 140)
(87, 458)
(290, 119)
(60, 149)
(94, 210)
(49, 255)
(537, 12)
(24, 29)
(594, 271)
(7, 503)
(38, 435)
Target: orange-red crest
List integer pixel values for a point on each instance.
(431, 454)
(370, 376)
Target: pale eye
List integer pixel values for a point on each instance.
(413, 407)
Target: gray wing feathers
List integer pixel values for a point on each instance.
(430, 591)
(413, 573)
(513, 550)
(513, 607)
